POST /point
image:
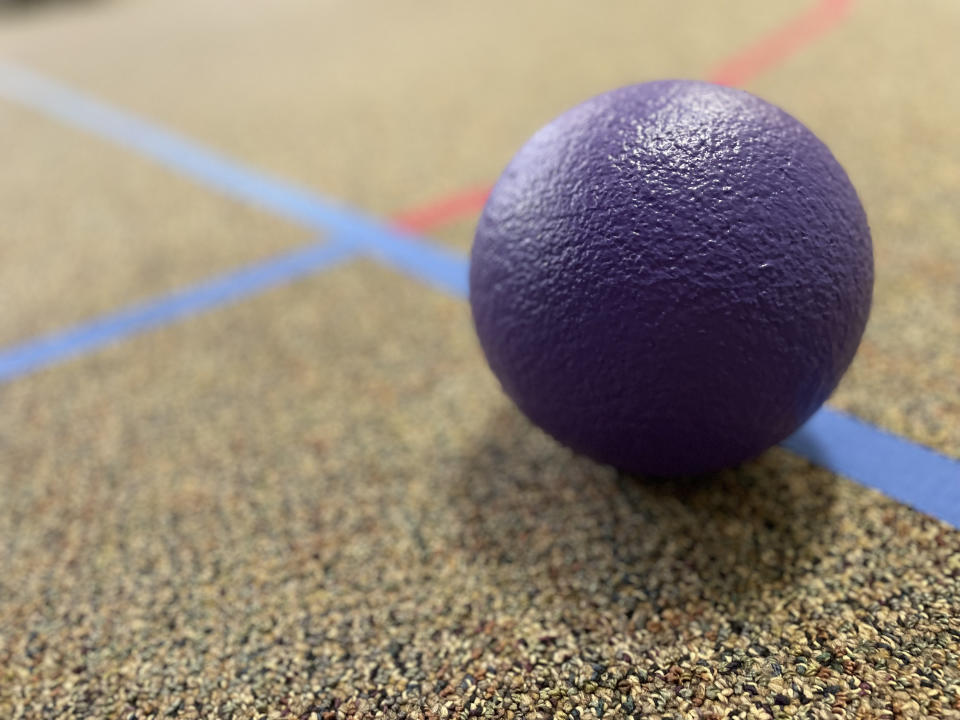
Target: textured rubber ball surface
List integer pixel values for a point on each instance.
(671, 277)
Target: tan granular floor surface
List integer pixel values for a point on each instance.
(317, 503)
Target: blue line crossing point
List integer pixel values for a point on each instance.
(441, 267)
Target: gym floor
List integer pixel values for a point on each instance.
(252, 461)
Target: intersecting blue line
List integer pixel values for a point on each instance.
(902, 469)
(441, 267)
(220, 290)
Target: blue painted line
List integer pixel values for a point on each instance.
(441, 267)
(904, 470)
(106, 329)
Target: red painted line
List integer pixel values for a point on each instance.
(444, 210)
(780, 44)
(738, 69)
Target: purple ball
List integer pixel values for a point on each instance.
(671, 277)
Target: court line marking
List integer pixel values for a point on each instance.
(282, 269)
(832, 439)
(448, 208)
(435, 265)
(775, 47)
(902, 469)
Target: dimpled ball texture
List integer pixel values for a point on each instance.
(671, 277)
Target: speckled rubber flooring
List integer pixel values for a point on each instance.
(316, 503)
